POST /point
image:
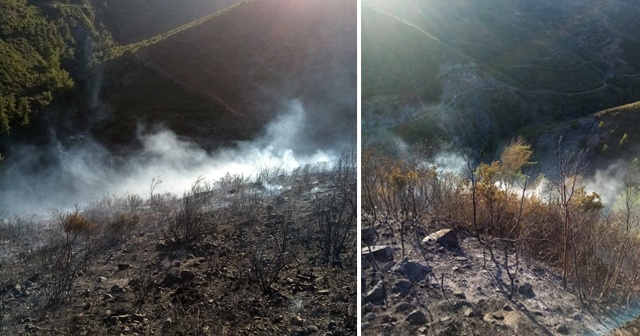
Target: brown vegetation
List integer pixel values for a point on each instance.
(518, 214)
(75, 224)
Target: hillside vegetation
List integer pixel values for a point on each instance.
(32, 50)
(617, 129)
(401, 60)
(517, 227)
(214, 71)
(284, 50)
(268, 254)
(608, 136)
(477, 72)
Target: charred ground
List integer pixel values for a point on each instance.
(235, 257)
(520, 253)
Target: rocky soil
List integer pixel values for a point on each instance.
(449, 284)
(148, 286)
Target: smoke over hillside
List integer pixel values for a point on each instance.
(259, 84)
(78, 170)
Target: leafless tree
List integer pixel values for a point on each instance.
(335, 214)
(469, 172)
(570, 165)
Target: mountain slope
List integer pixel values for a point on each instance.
(609, 135)
(32, 51)
(215, 77)
(251, 61)
(504, 65)
(132, 21)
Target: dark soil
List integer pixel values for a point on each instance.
(148, 285)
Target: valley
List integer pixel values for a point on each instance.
(511, 72)
(499, 161)
(178, 167)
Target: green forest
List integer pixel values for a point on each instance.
(42, 44)
(32, 49)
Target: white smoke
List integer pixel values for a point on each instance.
(449, 163)
(85, 171)
(608, 183)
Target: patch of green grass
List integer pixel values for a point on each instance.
(619, 131)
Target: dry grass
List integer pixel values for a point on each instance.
(76, 224)
(242, 237)
(515, 215)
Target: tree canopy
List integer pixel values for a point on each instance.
(32, 50)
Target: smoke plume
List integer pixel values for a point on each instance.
(77, 170)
